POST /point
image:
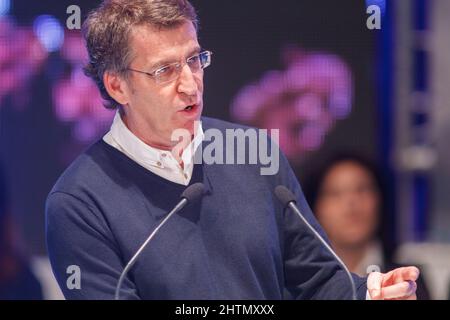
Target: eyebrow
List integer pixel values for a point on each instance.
(163, 62)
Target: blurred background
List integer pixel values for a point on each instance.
(363, 116)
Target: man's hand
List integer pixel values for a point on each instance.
(398, 284)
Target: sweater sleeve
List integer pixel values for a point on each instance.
(83, 254)
(311, 272)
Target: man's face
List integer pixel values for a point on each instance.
(155, 110)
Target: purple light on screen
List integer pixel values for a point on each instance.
(49, 32)
(21, 57)
(303, 101)
(76, 98)
(5, 6)
(77, 102)
(312, 137)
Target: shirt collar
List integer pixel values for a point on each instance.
(139, 150)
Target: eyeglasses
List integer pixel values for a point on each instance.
(172, 71)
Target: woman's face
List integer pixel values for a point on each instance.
(348, 204)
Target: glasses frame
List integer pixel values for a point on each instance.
(178, 67)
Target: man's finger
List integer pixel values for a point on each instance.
(374, 285)
(403, 290)
(405, 274)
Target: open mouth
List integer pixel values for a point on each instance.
(191, 108)
(190, 111)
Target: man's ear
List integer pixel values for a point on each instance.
(116, 87)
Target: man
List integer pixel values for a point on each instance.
(236, 243)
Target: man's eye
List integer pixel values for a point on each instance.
(163, 70)
(193, 60)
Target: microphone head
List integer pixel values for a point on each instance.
(194, 192)
(284, 195)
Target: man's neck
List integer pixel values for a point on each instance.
(154, 144)
(176, 148)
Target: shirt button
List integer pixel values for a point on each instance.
(163, 155)
(159, 164)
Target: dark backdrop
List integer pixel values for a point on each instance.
(246, 38)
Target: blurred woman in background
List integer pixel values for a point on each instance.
(347, 197)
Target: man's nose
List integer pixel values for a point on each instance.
(186, 81)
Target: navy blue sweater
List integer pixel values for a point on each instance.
(236, 243)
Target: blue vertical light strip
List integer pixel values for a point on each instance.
(419, 120)
(421, 196)
(380, 3)
(385, 84)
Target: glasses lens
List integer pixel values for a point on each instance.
(194, 63)
(172, 71)
(166, 73)
(205, 59)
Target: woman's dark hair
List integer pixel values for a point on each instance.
(315, 182)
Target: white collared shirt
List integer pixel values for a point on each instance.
(160, 162)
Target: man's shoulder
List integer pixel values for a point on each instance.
(86, 169)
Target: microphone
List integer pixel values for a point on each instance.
(287, 198)
(191, 194)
